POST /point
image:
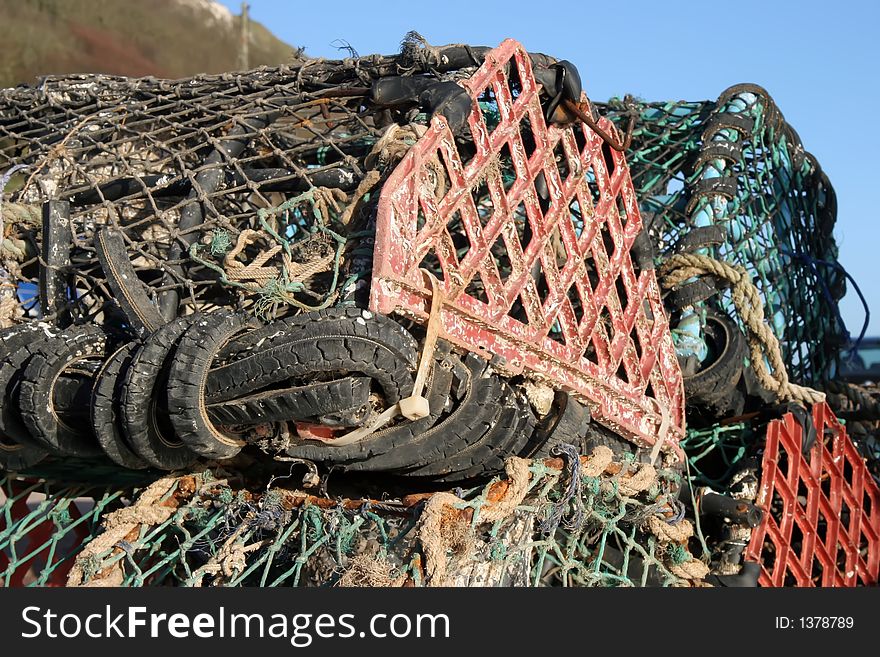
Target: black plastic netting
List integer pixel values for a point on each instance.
(183, 168)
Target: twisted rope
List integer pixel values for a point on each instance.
(866, 406)
(763, 344)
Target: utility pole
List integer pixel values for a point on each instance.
(243, 63)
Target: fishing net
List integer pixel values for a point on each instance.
(735, 163)
(715, 453)
(44, 522)
(594, 521)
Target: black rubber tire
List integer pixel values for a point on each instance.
(485, 457)
(701, 237)
(16, 454)
(502, 422)
(717, 380)
(129, 292)
(309, 402)
(342, 341)
(72, 393)
(104, 408)
(36, 391)
(15, 457)
(354, 320)
(692, 293)
(187, 409)
(143, 400)
(471, 418)
(17, 345)
(440, 381)
(567, 423)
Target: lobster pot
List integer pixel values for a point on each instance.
(736, 165)
(220, 191)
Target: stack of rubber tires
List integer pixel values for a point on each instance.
(206, 386)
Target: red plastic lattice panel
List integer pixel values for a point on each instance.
(821, 523)
(544, 282)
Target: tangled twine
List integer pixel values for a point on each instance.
(151, 508)
(445, 524)
(230, 560)
(368, 570)
(394, 143)
(674, 538)
(763, 344)
(277, 284)
(472, 537)
(256, 275)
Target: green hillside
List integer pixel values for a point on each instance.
(165, 38)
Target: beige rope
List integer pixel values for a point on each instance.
(517, 470)
(230, 560)
(679, 532)
(325, 198)
(254, 271)
(10, 308)
(371, 179)
(297, 271)
(596, 463)
(641, 480)
(693, 569)
(747, 300)
(443, 528)
(147, 510)
(394, 143)
(255, 275)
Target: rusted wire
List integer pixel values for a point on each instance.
(583, 111)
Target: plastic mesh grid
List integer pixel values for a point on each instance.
(821, 524)
(546, 284)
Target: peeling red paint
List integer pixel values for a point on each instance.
(588, 357)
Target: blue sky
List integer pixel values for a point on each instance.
(818, 59)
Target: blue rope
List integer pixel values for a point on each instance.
(812, 262)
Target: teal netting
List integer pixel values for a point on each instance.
(737, 164)
(588, 522)
(715, 453)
